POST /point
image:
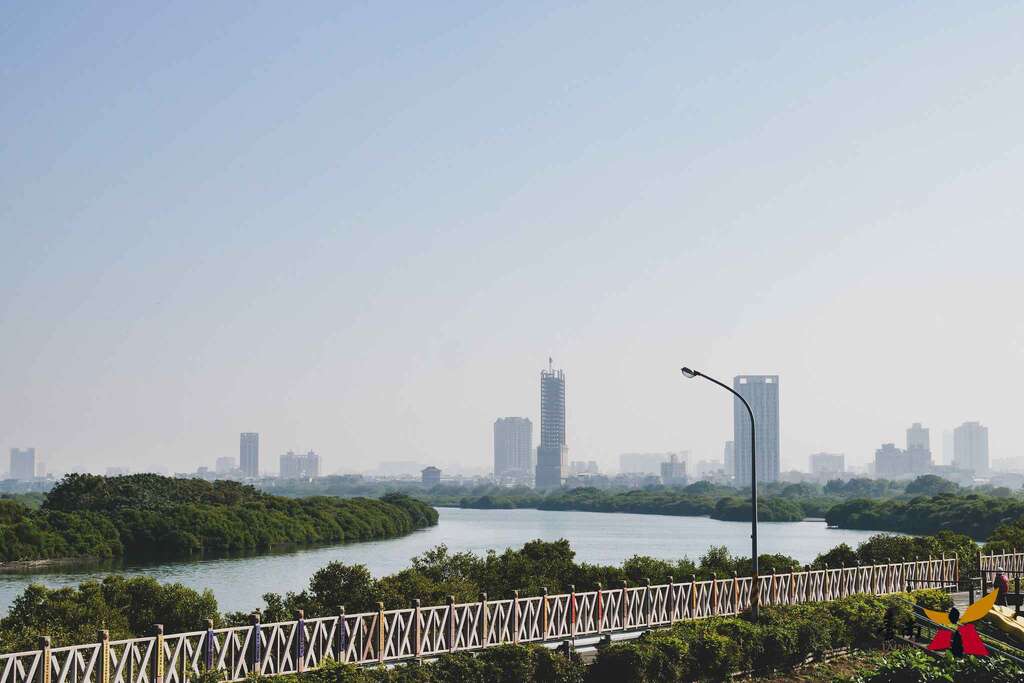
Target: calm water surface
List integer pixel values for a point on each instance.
(596, 537)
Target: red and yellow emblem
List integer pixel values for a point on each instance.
(959, 634)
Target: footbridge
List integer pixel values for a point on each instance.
(386, 636)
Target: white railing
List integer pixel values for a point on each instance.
(392, 635)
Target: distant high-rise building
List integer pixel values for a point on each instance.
(917, 437)
(729, 460)
(431, 476)
(23, 463)
(300, 466)
(552, 453)
(577, 467)
(673, 472)
(947, 447)
(893, 463)
(889, 462)
(648, 463)
(970, 447)
(249, 454)
(513, 446)
(225, 465)
(762, 393)
(827, 464)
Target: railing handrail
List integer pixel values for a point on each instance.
(392, 635)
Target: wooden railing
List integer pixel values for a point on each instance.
(392, 635)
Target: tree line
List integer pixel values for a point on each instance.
(145, 517)
(926, 505)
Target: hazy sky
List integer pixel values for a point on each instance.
(362, 228)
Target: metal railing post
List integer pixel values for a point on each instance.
(981, 572)
(300, 640)
(572, 612)
(515, 616)
(342, 633)
(624, 604)
(43, 674)
(714, 594)
(600, 608)
(544, 613)
(158, 653)
(648, 607)
(417, 630)
(451, 623)
(483, 619)
(256, 648)
(671, 605)
(381, 632)
(693, 596)
(104, 636)
(208, 646)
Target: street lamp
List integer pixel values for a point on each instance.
(755, 591)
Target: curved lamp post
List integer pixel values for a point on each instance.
(755, 590)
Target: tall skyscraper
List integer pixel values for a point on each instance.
(552, 453)
(249, 454)
(513, 447)
(917, 437)
(762, 393)
(970, 447)
(23, 463)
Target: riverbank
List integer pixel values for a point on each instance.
(596, 538)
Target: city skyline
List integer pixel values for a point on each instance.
(725, 188)
(248, 462)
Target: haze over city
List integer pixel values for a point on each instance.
(364, 230)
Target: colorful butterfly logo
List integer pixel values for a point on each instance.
(960, 636)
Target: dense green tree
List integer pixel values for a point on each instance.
(147, 516)
(125, 606)
(931, 485)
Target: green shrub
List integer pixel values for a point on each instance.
(784, 637)
(917, 666)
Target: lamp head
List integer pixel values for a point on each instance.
(688, 373)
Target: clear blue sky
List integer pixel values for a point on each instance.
(362, 228)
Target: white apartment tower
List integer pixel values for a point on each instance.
(970, 447)
(762, 393)
(513, 447)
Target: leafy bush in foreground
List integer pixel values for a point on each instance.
(716, 648)
(916, 666)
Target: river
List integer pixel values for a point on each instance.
(599, 538)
